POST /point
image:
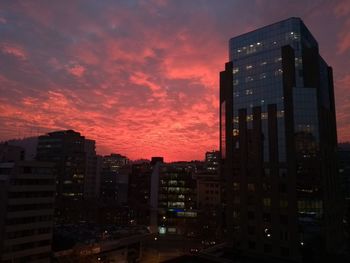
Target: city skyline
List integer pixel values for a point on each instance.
(141, 78)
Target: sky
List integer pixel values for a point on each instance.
(142, 77)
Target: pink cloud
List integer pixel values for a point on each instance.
(146, 76)
(76, 70)
(14, 50)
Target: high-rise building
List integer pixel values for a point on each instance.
(77, 179)
(114, 178)
(278, 144)
(27, 192)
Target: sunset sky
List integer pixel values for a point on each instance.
(141, 77)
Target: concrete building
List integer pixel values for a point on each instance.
(27, 190)
(177, 203)
(77, 179)
(115, 178)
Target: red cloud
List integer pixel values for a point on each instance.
(14, 50)
(145, 77)
(76, 70)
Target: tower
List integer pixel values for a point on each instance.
(278, 144)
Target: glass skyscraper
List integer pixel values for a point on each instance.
(278, 144)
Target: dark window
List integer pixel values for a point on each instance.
(251, 230)
(284, 252)
(284, 219)
(251, 215)
(251, 245)
(266, 217)
(267, 248)
(283, 188)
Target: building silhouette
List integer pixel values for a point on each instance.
(27, 192)
(77, 179)
(278, 145)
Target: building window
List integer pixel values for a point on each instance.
(235, 186)
(251, 230)
(251, 245)
(284, 219)
(283, 188)
(267, 202)
(251, 215)
(250, 200)
(267, 232)
(282, 172)
(236, 214)
(283, 203)
(267, 248)
(283, 235)
(266, 172)
(251, 187)
(284, 252)
(266, 217)
(266, 187)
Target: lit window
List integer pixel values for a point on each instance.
(235, 70)
(249, 67)
(249, 78)
(249, 92)
(280, 114)
(278, 59)
(262, 76)
(278, 72)
(264, 115)
(249, 117)
(267, 232)
(267, 202)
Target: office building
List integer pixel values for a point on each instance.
(278, 145)
(114, 178)
(77, 179)
(177, 203)
(209, 206)
(139, 192)
(27, 190)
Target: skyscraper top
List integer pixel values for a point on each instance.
(285, 32)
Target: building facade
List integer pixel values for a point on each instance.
(177, 202)
(77, 179)
(278, 144)
(27, 191)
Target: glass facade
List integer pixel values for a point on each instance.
(257, 77)
(283, 125)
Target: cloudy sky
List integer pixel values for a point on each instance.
(141, 77)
